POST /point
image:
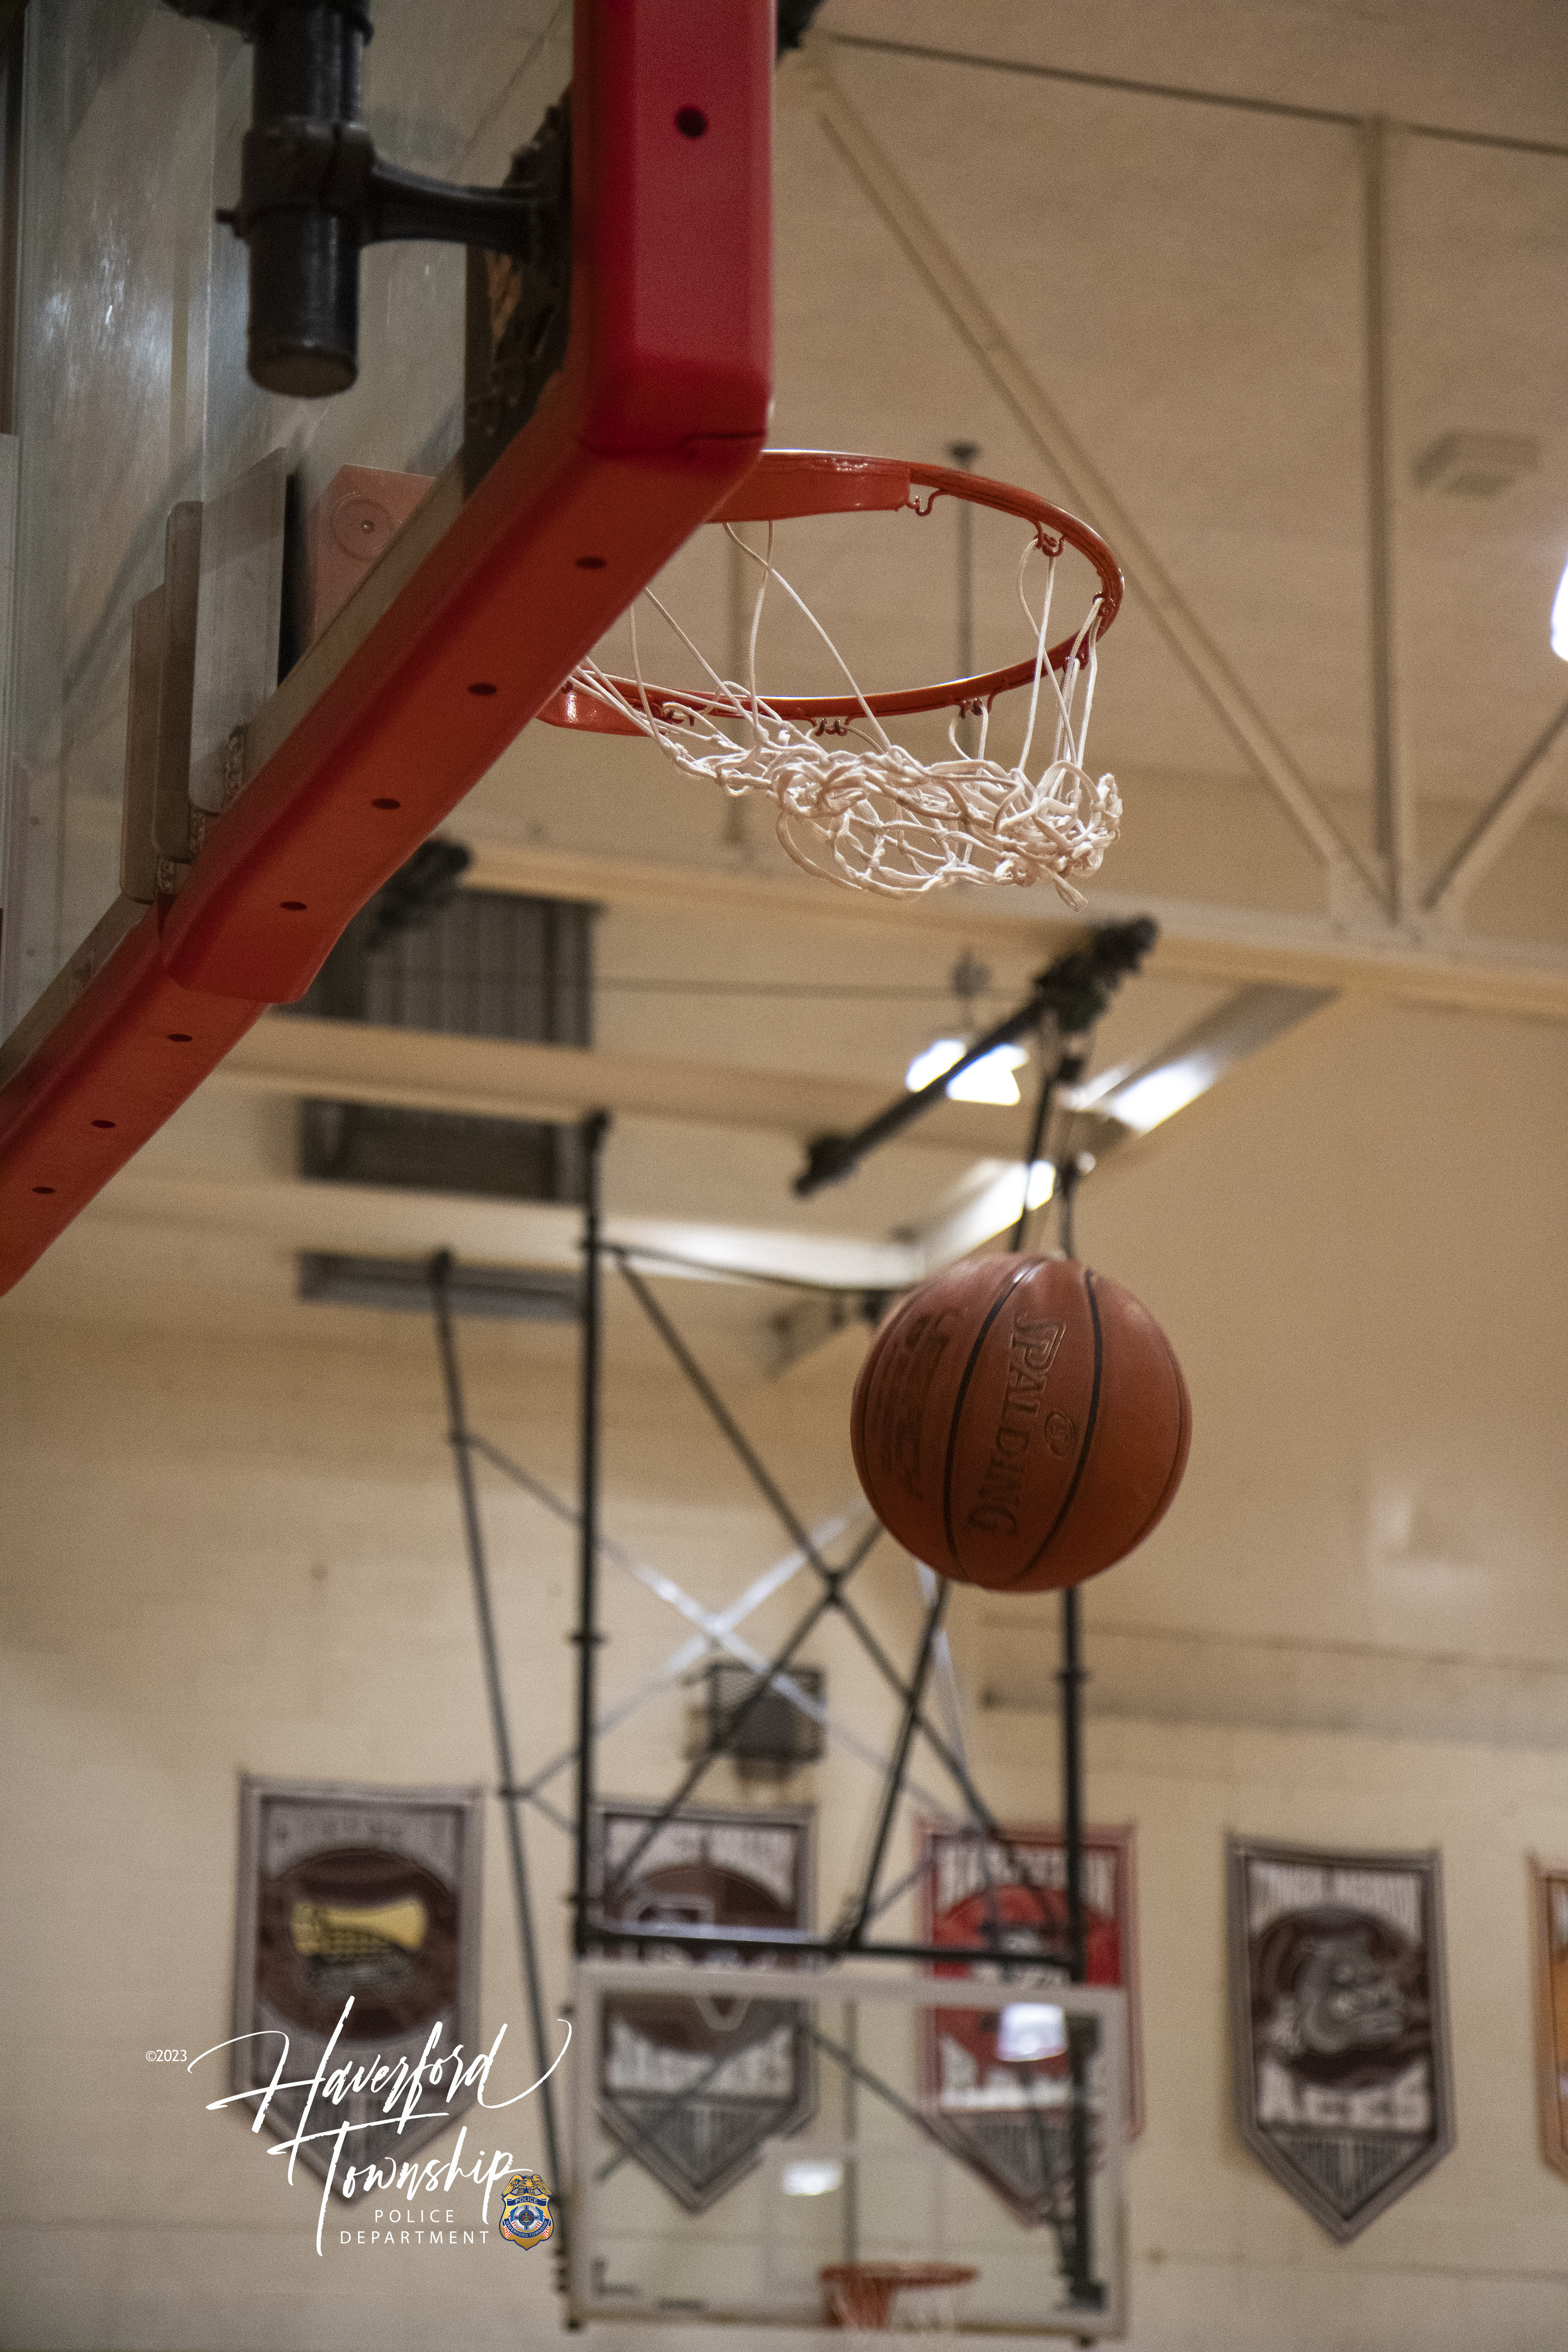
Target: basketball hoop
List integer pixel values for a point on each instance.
(905, 2298)
(853, 806)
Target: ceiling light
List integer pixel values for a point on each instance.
(938, 1056)
(1030, 2030)
(812, 2176)
(1042, 1184)
(989, 1080)
(1144, 1102)
(1560, 618)
(1140, 1098)
(1120, 1103)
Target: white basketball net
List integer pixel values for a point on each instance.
(855, 807)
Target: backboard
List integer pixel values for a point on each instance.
(868, 2176)
(303, 793)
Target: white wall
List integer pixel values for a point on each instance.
(239, 1551)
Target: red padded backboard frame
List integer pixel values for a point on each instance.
(659, 410)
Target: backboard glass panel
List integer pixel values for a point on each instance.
(866, 2178)
(131, 392)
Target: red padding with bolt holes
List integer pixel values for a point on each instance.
(659, 410)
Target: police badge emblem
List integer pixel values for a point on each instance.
(1340, 2024)
(525, 2216)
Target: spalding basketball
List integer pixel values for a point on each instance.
(1020, 1423)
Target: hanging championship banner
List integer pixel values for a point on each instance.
(365, 1895)
(692, 2087)
(1548, 1905)
(1010, 1890)
(1339, 2024)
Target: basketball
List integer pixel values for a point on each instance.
(1020, 1423)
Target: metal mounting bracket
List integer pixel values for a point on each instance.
(313, 192)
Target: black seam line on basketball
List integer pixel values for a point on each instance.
(957, 1415)
(1083, 1452)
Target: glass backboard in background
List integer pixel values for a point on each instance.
(719, 2171)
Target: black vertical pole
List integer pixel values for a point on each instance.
(963, 454)
(1080, 2030)
(1082, 2033)
(588, 1636)
(1071, 1677)
(461, 1441)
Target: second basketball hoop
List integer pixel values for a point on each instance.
(852, 804)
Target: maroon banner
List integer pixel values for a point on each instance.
(1009, 1891)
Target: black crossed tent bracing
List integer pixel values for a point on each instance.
(917, 1733)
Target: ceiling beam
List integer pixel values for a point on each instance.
(351, 1061)
(977, 325)
(1517, 800)
(1394, 802)
(372, 1220)
(1227, 945)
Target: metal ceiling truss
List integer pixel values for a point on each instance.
(1384, 900)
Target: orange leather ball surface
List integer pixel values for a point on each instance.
(1020, 1422)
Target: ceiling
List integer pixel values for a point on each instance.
(1159, 208)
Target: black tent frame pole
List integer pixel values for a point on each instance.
(1071, 1677)
(1077, 2250)
(595, 1129)
(460, 1439)
(1076, 989)
(833, 1579)
(898, 1763)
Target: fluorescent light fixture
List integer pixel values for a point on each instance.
(1120, 1103)
(1138, 1099)
(1143, 1102)
(1042, 1184)
(938, 1056)
(1560, 618)
(989, 1080)
(817, 2175)
(1030, 2030)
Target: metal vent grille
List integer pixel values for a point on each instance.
(514, 1293)
(486, 964)
(439, 1151)
(772, 1732)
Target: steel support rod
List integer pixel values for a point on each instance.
(756, 1469)
(713, 1750)
(587, 1637)
(963, 454)
(1075, 989)
(1515, 802)
(899, 1761)
(807, 1944)
(833, 1579)
(461, 1441)
(1071, 1677)
(1391, 787)
(1067, 1068)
